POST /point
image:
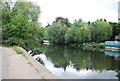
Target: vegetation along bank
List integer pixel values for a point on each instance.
(20, 27)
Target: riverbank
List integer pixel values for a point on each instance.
(16, 66)
(89, 46)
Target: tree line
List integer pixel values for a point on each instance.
(20, 26)
(63, 32)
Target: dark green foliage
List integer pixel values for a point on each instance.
(20, 23)
(69, 36)
(66, 22)
(101, 31)
(79, 32)
(20, 27)
(56, 33)
(82, 34)
(115, 29)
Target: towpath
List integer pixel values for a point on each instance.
(15, 66)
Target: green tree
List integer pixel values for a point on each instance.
(20, 23)
(66, 22)
(28, 9)
(82, 34)
(78, 33)
(115, 29)
(101, 31)
(69, 36)
(56, 33)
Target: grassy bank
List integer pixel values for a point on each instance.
(19, 51)
(16, 49)
(89, 46)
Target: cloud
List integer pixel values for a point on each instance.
(119, 10)
(88, 10)
(109, 4)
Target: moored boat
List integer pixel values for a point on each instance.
(113, 45)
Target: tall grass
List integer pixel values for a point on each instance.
(18, 51)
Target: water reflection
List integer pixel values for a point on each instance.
(115, 53)
(68, 62)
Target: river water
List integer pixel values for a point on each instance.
(67, 62)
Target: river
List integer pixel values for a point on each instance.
(67, 62)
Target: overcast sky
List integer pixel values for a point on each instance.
(119, 10)
(88, 10)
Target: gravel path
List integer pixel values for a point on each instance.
(15, 66)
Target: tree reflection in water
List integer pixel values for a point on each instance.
(64, 56)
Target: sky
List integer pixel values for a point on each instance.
(87, 10)
(119, 10)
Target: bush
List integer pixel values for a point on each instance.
(56, 33)
(20, 23)
(101, 31)
(69, 36)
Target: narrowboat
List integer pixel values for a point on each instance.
(113, 45)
